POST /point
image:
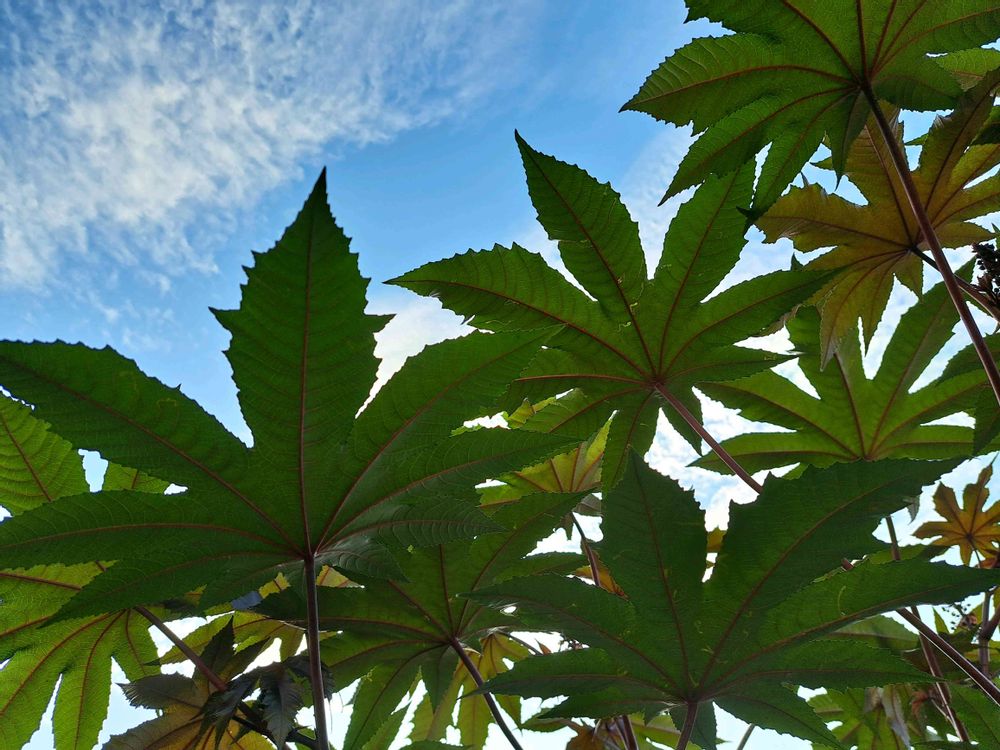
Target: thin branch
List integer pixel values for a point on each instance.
(704, 434)
(487, 696)
(931, 238)
(688, 729)
(315, 660)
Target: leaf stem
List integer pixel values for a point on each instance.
(986, 630)
(487, 696)
(931, 238)
(746, 737)
(217, 682)
(940, 687)
(315, 661)
(688, 729)
(970, 669)
(974, 293)
(595, 571)
(698, 427)
(631, 743)
(628, 733)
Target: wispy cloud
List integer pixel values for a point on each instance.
(134, 130)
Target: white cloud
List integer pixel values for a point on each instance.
(129, 130)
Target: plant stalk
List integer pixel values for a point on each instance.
(971, 290)
(746, 737)
(688, 729)
(315, 660)
(970, 669)
(931, 238)
(487, 696)
(986, 631)
(704, 434)
(940, 687)
(256, 721)
(631, 743)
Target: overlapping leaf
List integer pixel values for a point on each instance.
(640, 344)
(971, 526)
(757, 624)
(877, 242)
(853, 416)
(889, 718)
(393, 630)
(322, 480)
(184, 722)
(38, 467)
(797, 72)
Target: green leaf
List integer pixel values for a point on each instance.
(757, 624)
(875, 243)
(320, 482)
(392, 629)
(855, 417)
(979, 714)
(36, 468)
(185, 707)
(673, 338)
(797, 72)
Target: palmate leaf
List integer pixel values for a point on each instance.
(971, 526)
(320, 483)
(183, 702)
(641, 344)
(855, 417)
(800, 71)
(38, 467)
(760, 620)
(877, 242)
(579, 470)
(391, 631)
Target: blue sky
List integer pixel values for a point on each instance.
(146, 148)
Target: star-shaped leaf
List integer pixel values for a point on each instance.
(797, 72)
(389, 631)
(182, 703)
(325, 480)
(853, 416)
(877, 242)
(38, 467)
(971, 526)
(639, 344)
(757, 624)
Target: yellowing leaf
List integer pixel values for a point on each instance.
(972, 527)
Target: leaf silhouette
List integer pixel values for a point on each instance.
(38, 467)
(855, 417)
(391, 631)
(758, 622)
(641, 345)
(971, 526)
(182, 702)
(797, 72)
(877, 242)
(322, 482)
